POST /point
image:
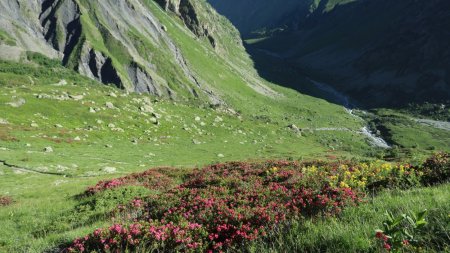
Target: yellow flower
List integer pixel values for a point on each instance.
(343, 167)
(344, 185)
(313, 169)
(364, 166)
(386, 167)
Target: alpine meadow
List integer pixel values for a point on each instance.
(224, 126)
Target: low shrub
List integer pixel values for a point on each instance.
(401, 233)
(5, 201)
(436, 169)
(225, 206)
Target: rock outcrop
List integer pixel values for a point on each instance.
(186, 10)
(113, 41)
(127, 44)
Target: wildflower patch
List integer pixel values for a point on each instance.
(225, 206)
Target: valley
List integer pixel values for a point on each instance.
(222, 126)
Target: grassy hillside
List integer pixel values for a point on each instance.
(354, 230)
(69, 143)
(60, 132)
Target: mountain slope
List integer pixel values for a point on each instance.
(382, 53)
(198, 100)
(253, 17)
(122, 42)
(250, 16)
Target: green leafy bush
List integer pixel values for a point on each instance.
(401, 233)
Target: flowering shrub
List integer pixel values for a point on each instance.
(363, 176)
(5, 201)
(219, 207)
(401, 232)
(223, 206)
(184, 236)
(437, 168)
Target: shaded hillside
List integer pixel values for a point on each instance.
(252, 16)
(382, 53)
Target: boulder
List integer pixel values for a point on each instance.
(109, 105)
(48, 149)
(109, 169)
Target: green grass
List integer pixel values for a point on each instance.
(47, 194)
(223, 77)
(46, 211)
(354, 229)
(401, 130)
(43, 215)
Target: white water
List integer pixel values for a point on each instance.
(345, 102)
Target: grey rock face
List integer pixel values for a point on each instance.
(144, 83)
(61, 25)
(55, 29)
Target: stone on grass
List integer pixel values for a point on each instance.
(146, 108)
(92, 110)
(76, 97)
(197, 118)
(58, 126)
(196, 142)
(61, 83)
(3, 121)
(220, 156)
(48, 149)
(109, 105)
(77, 138)
(109, 169)
(60, 182)
(17, 103)
(156, 115)
(154, 120)
(112, 94)
(295, 129)
(34, 124)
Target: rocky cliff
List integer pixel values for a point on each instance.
(120, 42)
